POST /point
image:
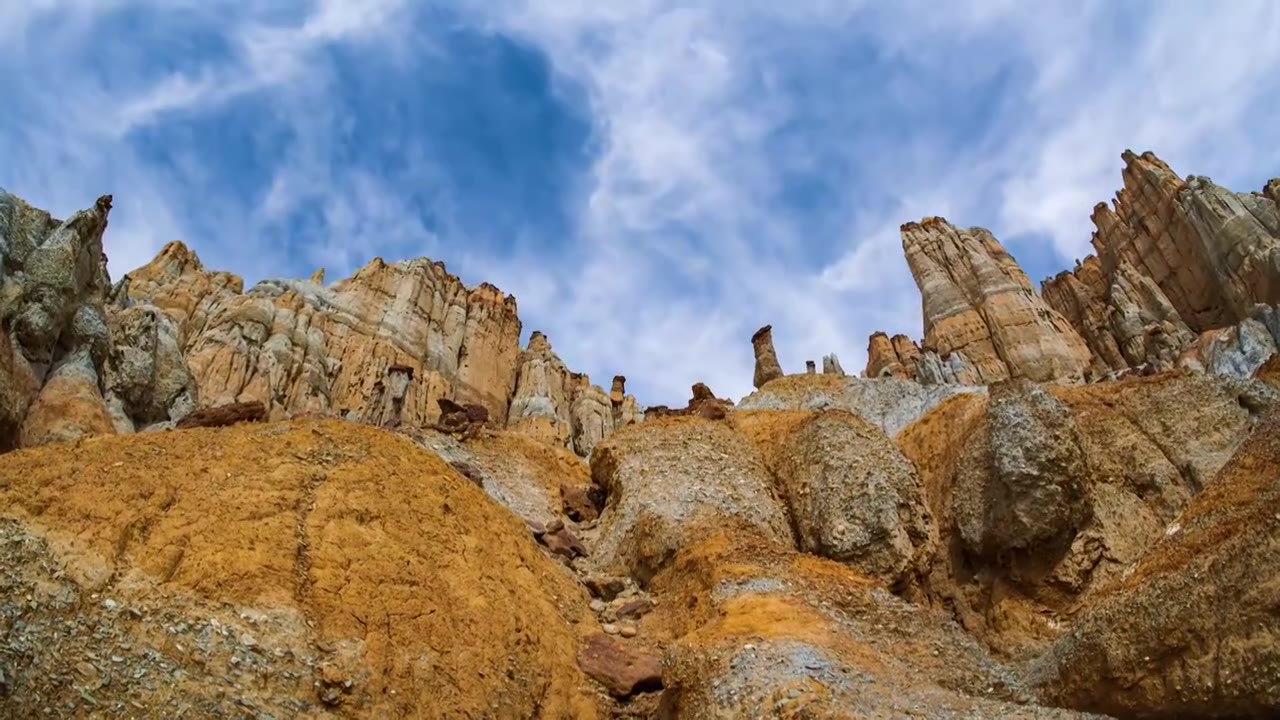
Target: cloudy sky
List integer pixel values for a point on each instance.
(651, 179)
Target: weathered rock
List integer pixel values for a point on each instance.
(764, 631)
(146, 378)
(810, 367)
(347, 347)
(1238, 350)
(889, 403)
(618, 390)
(1186, 256)
(223, 415)
(562, 407)
(978, 301)
(68, 407)
(1150, 444)
(1191, 630)
(581, 502)
(1025, 486)
(624, 669)
(288, 553)
(831, 365)
(653, 507)
(563, 542)
(53, 283)
(853, 497)
(767, 367)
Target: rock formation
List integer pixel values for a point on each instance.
(831, 365)
(767, 367)
(79, 356)
(1213, 651)
(1175, 259)
(53, 329)
(978, 302)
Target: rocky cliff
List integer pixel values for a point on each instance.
(1176, 259)
(1186, 274)
(384, 346)
(983, 320)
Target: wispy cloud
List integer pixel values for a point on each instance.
(652, 180)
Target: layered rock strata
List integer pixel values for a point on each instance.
(79, 356)
(1174, 259)
(978, 302)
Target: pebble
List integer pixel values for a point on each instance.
(110, 604)
(598, 605)
(628, 631)
(611, 629)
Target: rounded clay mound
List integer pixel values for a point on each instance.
(429, 595)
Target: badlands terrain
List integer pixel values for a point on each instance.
(365, 499)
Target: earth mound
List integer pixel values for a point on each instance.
(306, 567)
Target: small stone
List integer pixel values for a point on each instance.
(598, 605)
(110, 604)
(628, 631)
(610, 629)
(554, 525)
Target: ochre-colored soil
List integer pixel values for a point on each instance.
(447, 606)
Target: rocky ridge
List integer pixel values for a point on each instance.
(1186, 274)
(80, 356)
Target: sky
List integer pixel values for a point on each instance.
(652, 180)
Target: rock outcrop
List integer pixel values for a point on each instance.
(303, 569)
(978, 302)
(1175, 259)
(1042, 497)
(381, 347)
(653, 508)
(888, 403)
(853, 497)
(53, 329)
(1191, 630)
(558, 405)
(767, 367)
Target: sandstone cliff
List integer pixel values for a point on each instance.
(1182, 270)
(80, 357)
(983, 320)
(1175, 259)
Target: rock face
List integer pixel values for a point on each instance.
(337, 564)
(653, 509)
(853, 497)
(1042, 497)
(558, 405)
(978, 302)
(1024, 483)
(889, 403)
(1175, 259)
(1215, 650)
(53, 330)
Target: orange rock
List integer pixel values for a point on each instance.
(69, 407)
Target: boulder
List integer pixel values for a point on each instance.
(853, 497)
(666, 478)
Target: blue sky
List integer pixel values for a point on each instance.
(652, 180)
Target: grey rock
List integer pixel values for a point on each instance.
(854, 497)
(1024, 486)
